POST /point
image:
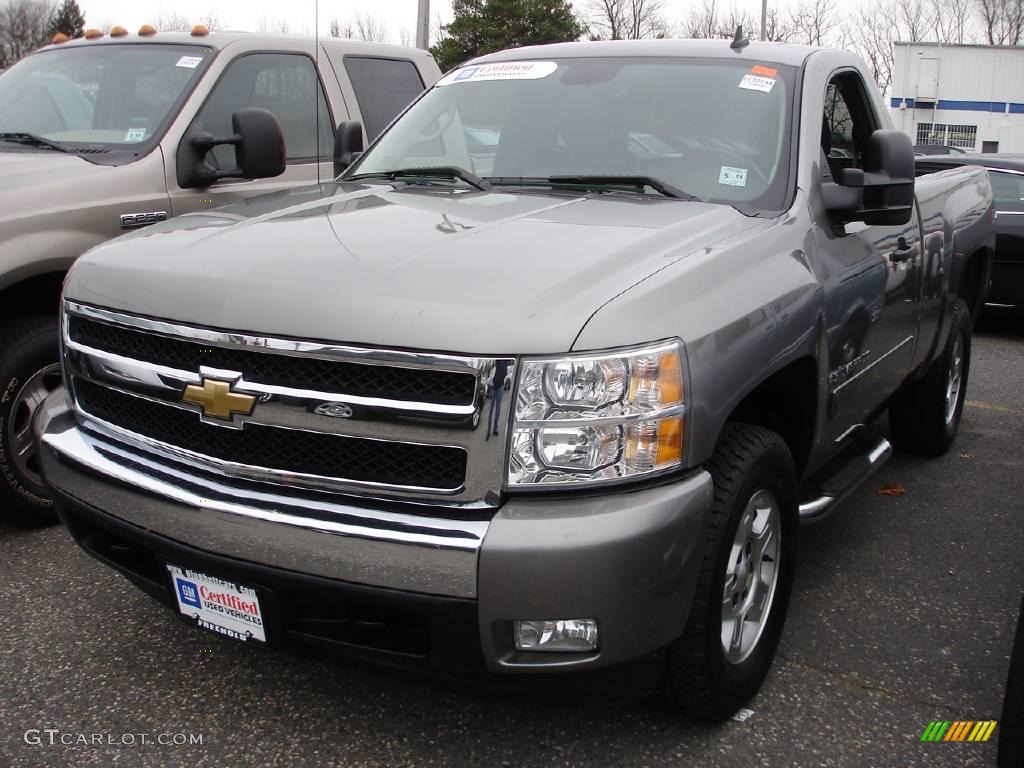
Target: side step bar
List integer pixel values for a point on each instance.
(843, 482)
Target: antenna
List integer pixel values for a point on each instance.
(317, 85)
(741, 41)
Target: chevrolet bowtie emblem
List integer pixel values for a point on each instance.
(217, 400)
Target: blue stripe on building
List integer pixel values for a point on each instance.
(966, 106)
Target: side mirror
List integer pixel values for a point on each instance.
(882, 193)
(888, 178)
(846, 196)
(348, 145)
(259, 150)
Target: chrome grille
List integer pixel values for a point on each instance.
(393, 382)
(385, 423)
(315, 453)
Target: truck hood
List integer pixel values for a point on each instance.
(413, 267)
(26, 170)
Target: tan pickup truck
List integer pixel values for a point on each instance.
(98, 137)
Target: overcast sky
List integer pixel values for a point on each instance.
(301, 14)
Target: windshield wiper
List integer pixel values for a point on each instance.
(33, 140)
(437, 172)
(600, 180)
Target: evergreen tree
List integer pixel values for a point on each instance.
(69, 19)
(485, 26)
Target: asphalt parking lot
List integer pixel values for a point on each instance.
(902, 614)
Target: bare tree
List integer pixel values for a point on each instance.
(815, 22)
(171, 21)
(278, 26)
(1002, 21)
(874, 31)
(777, 29)
(876, 27)
(625, 19)
(703, 21)
(370, 28)
(24, 26)
(951, 21)
(438, 30)
(734, 19)
(211, 21)
(405, 37)
(915, 20)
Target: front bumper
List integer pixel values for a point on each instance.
(417, 587)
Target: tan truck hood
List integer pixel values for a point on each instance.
(416, 267)
(23, 171)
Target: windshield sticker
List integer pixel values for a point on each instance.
(509, 70)
(763, 71)
(757, 83)
(135, 134)
(733, 177)
(189, 62)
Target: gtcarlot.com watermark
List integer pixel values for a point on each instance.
(55, 737)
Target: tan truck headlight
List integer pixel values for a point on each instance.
(598, 418)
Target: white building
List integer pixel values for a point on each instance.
(967, 96)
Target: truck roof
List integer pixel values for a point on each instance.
(219, 40)
(779, 53)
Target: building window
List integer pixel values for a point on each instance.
(962, 136)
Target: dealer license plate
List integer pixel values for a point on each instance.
(220, 606)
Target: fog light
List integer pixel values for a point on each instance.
(562, 635)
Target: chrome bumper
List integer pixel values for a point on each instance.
(629, 558)
(310, 533)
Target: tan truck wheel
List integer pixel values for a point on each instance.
(29, 371)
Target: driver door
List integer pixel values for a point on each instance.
(872, 287)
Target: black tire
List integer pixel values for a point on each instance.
(697, 678)
(918, 419)
(1011, 724)
(28, 346)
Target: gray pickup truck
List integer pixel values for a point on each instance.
(538, 390)
(96, 139)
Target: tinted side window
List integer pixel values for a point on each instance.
(846, 124)
(1008, 189)
(384, 87)
(284, 83)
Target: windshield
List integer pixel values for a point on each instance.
(717, 129)
(116, 96)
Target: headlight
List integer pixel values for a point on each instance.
(588, 418)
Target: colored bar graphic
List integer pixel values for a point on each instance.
(959, 730)
(935, 730)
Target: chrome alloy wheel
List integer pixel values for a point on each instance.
(954, 378)
(751, 576)
(19, 426)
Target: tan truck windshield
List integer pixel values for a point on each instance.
(117, 95)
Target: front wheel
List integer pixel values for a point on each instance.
(29, 371)
(745, 580)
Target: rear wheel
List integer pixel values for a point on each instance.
(925, 418)
(29, 371)
(743, 589)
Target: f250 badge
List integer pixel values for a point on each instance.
(133, 220)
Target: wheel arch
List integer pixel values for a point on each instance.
(785, 402)
(37, 294)
(972, 283)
